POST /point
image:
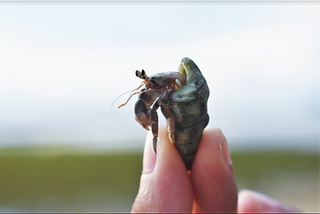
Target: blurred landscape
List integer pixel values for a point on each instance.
(58, 179)
(63, 64)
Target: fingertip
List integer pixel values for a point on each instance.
(149, 158)
(167, 154)
(251, 201)
(213, 145)
(246, 202)
(169, 182)
(215, 189)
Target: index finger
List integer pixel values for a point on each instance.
(165, 184)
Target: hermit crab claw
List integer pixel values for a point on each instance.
(142, 110)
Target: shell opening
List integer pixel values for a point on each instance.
(181, 69)
(189, 69)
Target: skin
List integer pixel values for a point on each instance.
(210, 186)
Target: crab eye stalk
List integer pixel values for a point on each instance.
(142, 74)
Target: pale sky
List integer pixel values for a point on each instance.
(63, 64)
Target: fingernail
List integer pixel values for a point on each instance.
(224, 148)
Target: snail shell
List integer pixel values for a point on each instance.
(188, 106)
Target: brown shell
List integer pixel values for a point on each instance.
(188, 106)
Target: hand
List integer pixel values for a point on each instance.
(166, 185)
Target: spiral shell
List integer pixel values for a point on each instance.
(188, 106)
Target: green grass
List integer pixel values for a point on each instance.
(29, 181)
(70, 181)
(255, 166)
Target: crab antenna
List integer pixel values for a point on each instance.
(120, 96)
(141, 75)
(127, 92)
(137, 92)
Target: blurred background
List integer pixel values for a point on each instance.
(63, 147)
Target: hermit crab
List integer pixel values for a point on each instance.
(182, 97)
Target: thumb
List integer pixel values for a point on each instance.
(165, 185)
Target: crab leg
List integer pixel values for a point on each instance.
(170, 122)
(162, 101)
(167, 114)
(154, 126)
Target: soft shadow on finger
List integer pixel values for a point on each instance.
(212, 177)
(165, 185)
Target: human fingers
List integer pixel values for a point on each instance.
(164, 185)
(251, 201)
(212, 177)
